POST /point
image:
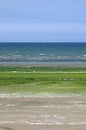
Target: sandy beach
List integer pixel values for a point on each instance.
(44, 64)
(61, 112)
(43, 113)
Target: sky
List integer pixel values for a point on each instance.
(42, 20)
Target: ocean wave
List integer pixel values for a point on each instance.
(43, 54)
(43, 58)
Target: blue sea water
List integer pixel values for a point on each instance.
(42, 52)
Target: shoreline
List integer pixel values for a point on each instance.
(50, 113)
(37, 95)
(43, 64)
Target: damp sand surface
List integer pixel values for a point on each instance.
(43, 113)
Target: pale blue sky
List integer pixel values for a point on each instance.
(43, 20)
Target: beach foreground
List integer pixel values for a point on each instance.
(40, 98)
(62, 112)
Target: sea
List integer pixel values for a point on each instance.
(42, 52)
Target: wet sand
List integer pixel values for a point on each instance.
(44, 64)
(43, 113)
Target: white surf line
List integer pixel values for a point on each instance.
(55, 106)
(44, 116)
(58, 106)
(41, 123)
(36, 95)
(45, 106)
(30, 123)
(78, 123)
(43, 72)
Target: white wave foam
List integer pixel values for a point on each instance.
(30, 94)
(41, 123)
(77, 123)
(43, 54)
(30, 123)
